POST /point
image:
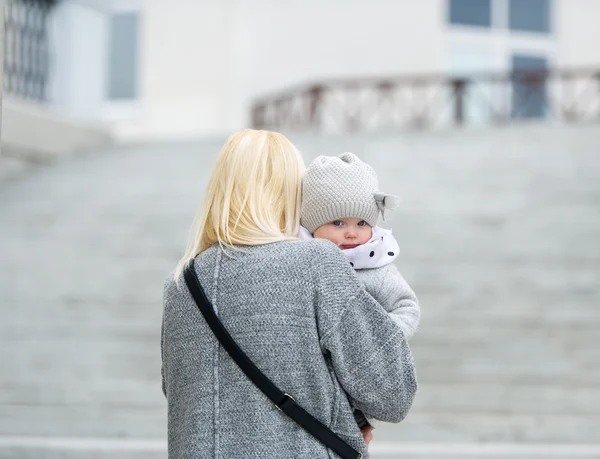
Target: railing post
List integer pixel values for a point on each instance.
(314, 100)
(278, 117)
(459, 101)
(257, 117)
(384, 89)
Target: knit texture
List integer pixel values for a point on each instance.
(338, 187)
(298, 310)
(390, 289)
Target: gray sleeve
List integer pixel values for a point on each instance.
(399, 300)
(369, 352)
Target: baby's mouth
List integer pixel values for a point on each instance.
(348, 246)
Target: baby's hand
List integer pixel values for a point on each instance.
(367, 433)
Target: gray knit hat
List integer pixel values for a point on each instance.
(339, 187)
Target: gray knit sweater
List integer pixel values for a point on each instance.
(297, 309)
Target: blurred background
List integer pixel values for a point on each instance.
(482, 115)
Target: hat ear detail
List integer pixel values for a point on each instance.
(385, 202)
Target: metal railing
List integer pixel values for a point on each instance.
(26, 48)
(370, 104)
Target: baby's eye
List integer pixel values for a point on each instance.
(336, 223)
(362, 223)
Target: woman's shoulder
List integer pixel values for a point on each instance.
(319, 251)
(171, 285)
(299, 249)
(318, 255)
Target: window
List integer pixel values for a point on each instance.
(471, 12)
(122, 56)
(529, 94)
(529, 15)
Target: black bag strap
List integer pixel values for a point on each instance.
(283, 402)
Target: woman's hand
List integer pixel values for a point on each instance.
(367, 433)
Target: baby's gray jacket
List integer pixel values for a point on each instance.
(389, 288)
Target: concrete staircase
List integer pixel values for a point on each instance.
(498, 231)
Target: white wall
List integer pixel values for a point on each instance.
(188, 70)
(578, 33)
(296, 42)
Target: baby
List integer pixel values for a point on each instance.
(341, 203)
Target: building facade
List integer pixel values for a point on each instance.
(152, 69)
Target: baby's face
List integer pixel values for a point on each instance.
(346, 233)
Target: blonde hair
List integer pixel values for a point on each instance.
(253, 195)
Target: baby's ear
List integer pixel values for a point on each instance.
(385, 202)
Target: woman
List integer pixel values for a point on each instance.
(295, 307)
